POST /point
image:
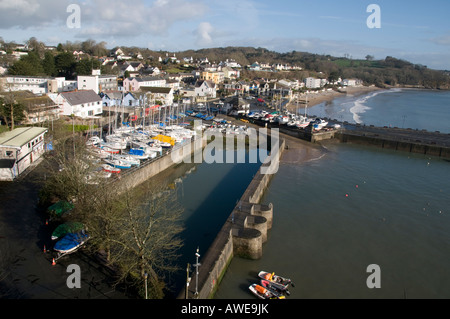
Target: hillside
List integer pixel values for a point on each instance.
(387, 72)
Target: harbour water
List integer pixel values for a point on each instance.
(354, 206)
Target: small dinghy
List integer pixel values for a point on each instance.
(263, 293)
(275, 280)
(277, 288)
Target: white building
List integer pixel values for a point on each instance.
(312, 83)
(205, 89)
(83, 104)
(19, 148)
(134, 84)
(97, 83)
(34, 84)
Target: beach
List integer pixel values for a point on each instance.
(317, 97)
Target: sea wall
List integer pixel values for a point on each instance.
(242, 235)
(405, 146)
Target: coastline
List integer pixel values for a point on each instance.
(318, 97)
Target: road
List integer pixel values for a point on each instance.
(26, 271)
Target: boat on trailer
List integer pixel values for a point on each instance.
(71, 242)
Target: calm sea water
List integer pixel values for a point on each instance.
(404, 108)
(357, 206)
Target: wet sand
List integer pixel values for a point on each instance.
(320, 97)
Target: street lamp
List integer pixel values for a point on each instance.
(197, 264)
(145, 276)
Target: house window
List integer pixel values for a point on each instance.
(8, 153)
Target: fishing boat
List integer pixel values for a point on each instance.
(275, 280)
(71, 242)
(269, 285)
(263, 293)
(66, 228)
(111, 169)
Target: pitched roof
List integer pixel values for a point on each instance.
(81, 97)
(20, 136)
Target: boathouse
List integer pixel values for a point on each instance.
(20, 148)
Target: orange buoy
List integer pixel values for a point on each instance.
(53, 262)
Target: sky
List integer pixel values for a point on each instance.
(416, 31)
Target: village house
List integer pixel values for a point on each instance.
(162, 94)
(35, 84)
(19, 148)
(134, 84)
(204, 90)
(215, 76)
(83, 104)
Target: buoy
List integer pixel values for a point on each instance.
(53, 262)
(45, 249)
(46, 222)
(346, 195)
(356, 186)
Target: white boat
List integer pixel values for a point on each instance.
(94, 140)
(319, 124)
(117, 163)
(127, 158)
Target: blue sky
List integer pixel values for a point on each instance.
(417, 31)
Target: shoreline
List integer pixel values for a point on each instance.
(319, 97)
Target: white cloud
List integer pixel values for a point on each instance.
(25, 14)
(203, 34)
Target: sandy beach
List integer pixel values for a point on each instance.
(317, 97)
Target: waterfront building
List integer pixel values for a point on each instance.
(19, 148)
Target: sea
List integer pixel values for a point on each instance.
(357, 222)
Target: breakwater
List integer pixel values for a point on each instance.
(242, 235)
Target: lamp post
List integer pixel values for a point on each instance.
(188, 280)
(197, 255)
(145, 276)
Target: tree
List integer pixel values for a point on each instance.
(10, 110)
(148, 241)
(65, 64)
(137, 228)
(48, 64)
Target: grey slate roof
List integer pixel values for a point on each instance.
(81, 97)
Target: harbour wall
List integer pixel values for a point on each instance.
(128, 179)
(242, 235)
(394, 144)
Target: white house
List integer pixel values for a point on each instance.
(83, 104)
(19, 148)
(162, 94)
(351, 82)
(205, 89)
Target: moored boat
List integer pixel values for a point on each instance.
(263, 293)
(277, 288)
(275, 280)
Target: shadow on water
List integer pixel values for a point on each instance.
(213, 209)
